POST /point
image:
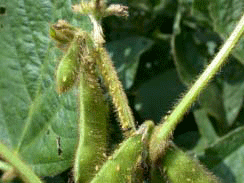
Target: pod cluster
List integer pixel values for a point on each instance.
(82, 64)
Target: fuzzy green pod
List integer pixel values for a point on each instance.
(123, 164)
(181, 168)
(115, 89)
(68, 68)
(93, 128)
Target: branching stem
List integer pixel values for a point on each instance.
(164, 131)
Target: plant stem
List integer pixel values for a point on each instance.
(24, 171)
(164, 131)
(5, 166)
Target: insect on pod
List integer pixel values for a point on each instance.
(69, 66)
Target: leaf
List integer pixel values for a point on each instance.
(205, 126)
(225, 20)
(187, 140)
(145, 5)
(224, 16)
(233, 90)
(187, 57)
(225, 157)
(169, 7)
(211, 100)
(35, 122)
(200, 10)
(233, 100)
(126, 55)
(157, 96)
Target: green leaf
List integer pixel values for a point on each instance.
(35, 122)
(126, 55)
(211, 100)
(225, 157)
(200, 10)
(145, 5)
(188, 59)
(205, 126)
(224, 16)
(169, 7)
(157, 96)
(233, 90)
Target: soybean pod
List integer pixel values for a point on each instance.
(93, 123)
(69, 66)
(181, 168)
(123, 164)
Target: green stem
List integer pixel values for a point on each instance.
(5, 166)
(164, 131)
(24, 171)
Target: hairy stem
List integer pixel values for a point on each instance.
(164, 131)
(24, 171)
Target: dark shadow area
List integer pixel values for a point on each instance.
(2, 10)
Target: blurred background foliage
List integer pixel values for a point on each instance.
(178, 39)
(158, 52)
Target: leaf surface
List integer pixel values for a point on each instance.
(126, 56)
(35, 122)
